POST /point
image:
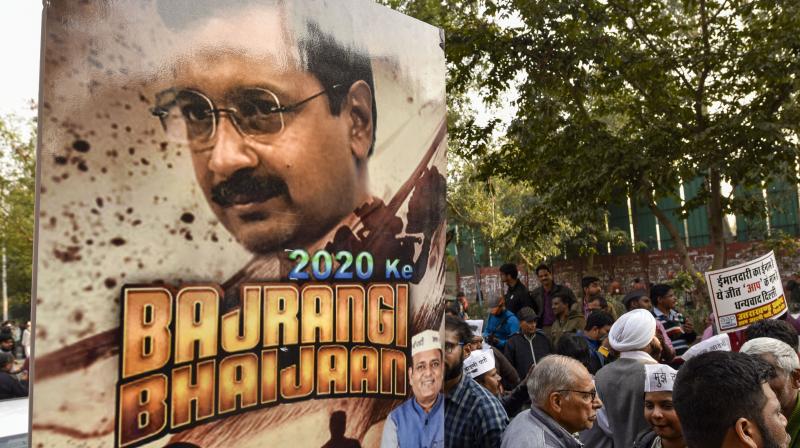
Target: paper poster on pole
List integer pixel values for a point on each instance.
(240, 221)
(746, 293)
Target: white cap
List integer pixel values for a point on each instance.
(659, 378)
(479, 362)
(424, 341)
(718, 343)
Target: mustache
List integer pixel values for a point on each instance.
(245, 187)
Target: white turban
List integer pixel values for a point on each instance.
(632, 331)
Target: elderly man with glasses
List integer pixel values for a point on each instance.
(564, 402)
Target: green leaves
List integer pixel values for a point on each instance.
(17, 199)
(621, 97)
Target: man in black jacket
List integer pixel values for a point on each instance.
(517, 295)
(526, 348)
(10, 386)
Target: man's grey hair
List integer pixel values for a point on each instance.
(552, 373)
(785, 358)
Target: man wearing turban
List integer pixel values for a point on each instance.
(620, 384)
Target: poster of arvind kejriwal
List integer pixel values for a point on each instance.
(240, 220)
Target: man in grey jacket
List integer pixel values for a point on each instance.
(621, 382)
(564, 402)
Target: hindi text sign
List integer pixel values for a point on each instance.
(746, 293)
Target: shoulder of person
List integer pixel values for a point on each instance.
(514, 338)
(575, 314)
(619, 366)
(484, 397)
(530, 425)
(488, 409)
(644, 439)
(542, 338)
(561, 287)
(500, 358)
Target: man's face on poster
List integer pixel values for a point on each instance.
(426, 375)
(277, 166)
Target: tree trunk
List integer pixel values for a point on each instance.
(635, 224)
(680, 246)
(698, 293)
(715, 219)
(714, 179)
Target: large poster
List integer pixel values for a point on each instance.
(240, 221)
(746, 293)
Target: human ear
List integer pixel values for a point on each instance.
(746, 432)
(359, 109)
(555, 400)
(794, 377)
(655, 347)
(466, 350)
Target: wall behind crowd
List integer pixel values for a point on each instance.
(654, 267)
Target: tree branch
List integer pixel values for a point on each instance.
(651, 45)
(465, 219)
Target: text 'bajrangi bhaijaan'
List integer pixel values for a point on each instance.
(183, 361)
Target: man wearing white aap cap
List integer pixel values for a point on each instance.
(419, 421)
(479, 362)
(480, 365)
(720, 342)
(620, 383)
(659, 412)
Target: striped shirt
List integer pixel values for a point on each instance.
(673, 324)
(473, 417)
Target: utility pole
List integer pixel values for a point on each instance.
(476, 266)
(5, 284)
(4, 262)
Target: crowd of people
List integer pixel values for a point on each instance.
(14, 353)
(552, 369)
(578, 375)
